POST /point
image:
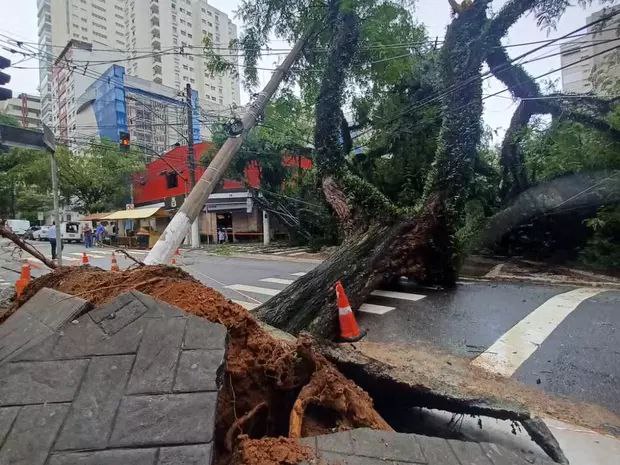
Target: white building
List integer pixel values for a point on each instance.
(156, 40)
(25, 108)
(599, 73)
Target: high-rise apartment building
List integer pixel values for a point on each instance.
(593, 60)
(155, 40)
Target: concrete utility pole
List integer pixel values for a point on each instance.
(172, 237)
(266, 228)
(191, 159)
(50, 142)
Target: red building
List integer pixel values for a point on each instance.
(165, 183)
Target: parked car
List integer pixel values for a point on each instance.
(19, 227)
(41, 234)
(31, 231)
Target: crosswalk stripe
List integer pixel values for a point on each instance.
(247, 305)
(514, 347)
(254, 289)
(299, 273)
(375, 309)
(295, 254)
(398, 295)
(278, 280)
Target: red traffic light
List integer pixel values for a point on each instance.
(124, 140)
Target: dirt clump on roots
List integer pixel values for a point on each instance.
(270, 451)
(264, 377)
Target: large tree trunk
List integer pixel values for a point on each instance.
(404, 248)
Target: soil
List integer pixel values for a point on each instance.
(263, 376)
(427, 366)
(270, 451)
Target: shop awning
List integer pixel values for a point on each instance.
(137, 214)
(96, 216)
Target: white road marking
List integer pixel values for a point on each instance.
(297, 253)
(375, 309)
(299, 273)
(509, 352)
(398, 295)
(495, 271)
(246, 305)
(278, 280)
(88, 254)
(254, 289)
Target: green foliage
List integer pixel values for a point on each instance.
(603, 248)
(98, 177)
(24, 183)
(566, 147)
(9, 120)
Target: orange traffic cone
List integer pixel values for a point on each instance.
(114, 266)
(84, 259)
(349, 330)
(23, 280)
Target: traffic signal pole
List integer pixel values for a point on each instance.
(191, 160)
(177, 229)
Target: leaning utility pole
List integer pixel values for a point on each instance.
(191, 160)
(50, 142)
(172, 237)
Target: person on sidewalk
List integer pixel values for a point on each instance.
(88, 236)
(51, 236)
(221, 237)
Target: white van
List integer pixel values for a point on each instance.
(19, 227)
(71, 231)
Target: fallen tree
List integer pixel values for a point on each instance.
(383, 240)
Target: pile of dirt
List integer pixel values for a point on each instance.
(264, 377)
(270, 451)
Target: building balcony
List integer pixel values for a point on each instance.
(154, 8)
(155, 22)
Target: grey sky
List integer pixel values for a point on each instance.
(19, 21)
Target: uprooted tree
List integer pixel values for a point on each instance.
(383, 239)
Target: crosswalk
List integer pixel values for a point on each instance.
(261, 290)
(4, 283)
(95, 254)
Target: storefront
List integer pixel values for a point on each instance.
(151, 221)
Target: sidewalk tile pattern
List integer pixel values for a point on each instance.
(133, 382)
(365, 446)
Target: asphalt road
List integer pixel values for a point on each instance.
(559, 339)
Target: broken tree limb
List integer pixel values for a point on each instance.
(130, 257)
(415, 385)
(22, 244)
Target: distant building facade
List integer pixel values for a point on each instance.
(156, 40)
(596, 74)
(24, 108)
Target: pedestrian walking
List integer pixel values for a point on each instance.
(51, 236)
(88, 236)
(221, 236)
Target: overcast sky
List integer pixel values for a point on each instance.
(19, 21)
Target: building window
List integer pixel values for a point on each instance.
(172, 180)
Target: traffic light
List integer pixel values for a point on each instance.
(124, 141)
(5, 94)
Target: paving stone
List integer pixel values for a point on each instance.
(19, 333)
(202, 334)
(343, 459)
(7, 416)
(39, 352)
(185, 455)
(336, 442)
(437, 451)
(106, 457)
(197, 370)
(38, 382)
(165, 419)
(158, 308)
(157, 356)
(54, 309)
(502, 456)
(86, 339)
(469, 453)
(32, 434)
(89, 423)
(387, 445)
(117, 314)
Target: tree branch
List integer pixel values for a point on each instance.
(506, 17)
